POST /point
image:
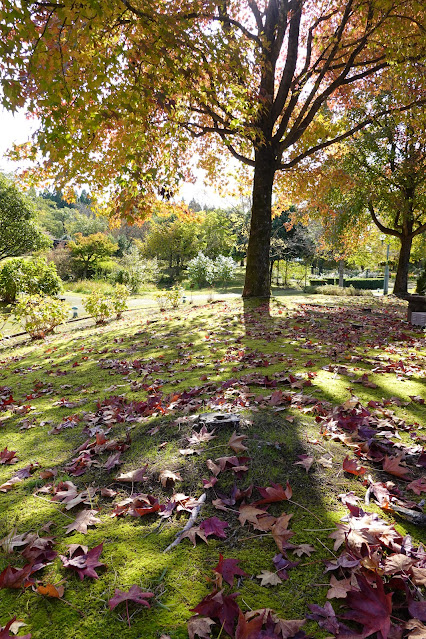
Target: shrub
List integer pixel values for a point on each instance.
(170, 298)
(421, 284)
(348, 291)
(135, 271)
(33, 276)
(100, 307)
(201, 270)
(40, 315)
(223, 269)
(119, 298)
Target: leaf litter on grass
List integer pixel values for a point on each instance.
(246, 372)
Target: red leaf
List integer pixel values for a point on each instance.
(351, 466)
(8, 456)
(370, 607)
(273, 493)
(228, 569)
(214, 526)
(248, 629)
(83, 562)
(16, 577)
(391, 465)
(216, 606)
(134, 593)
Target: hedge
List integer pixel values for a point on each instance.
(366, 283)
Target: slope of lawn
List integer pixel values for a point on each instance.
(330, 399)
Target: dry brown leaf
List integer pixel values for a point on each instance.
(168, 477)
(199, 626)
(269, 578)
(236, 444)
(339, 589)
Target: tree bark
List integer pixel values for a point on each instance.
(257, 282)
(401, 279)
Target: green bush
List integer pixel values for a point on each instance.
(99, 306)
(421, 283)
(169, 299)
(348, 291)
(33, 276)
(119, 298)
(365, 283)
(40, 315)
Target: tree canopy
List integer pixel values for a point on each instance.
(19, 232)
(124, 93)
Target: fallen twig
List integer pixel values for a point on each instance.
(191, 521)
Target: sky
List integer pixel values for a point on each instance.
(17, 128)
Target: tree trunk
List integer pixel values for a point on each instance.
(341, 273)
(257, 266)
(401, 279)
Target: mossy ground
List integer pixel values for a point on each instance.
(192, 347)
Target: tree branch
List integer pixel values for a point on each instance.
(377, 222)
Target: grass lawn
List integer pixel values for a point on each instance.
(315, 380)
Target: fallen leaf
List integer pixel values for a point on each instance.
(199, 626)
(228, 568)
(392, 465)
(84, 518)
(304, 549)
(135, 593)
(339, 589)
(50, 590)
(133, 476)
(306, 461)
(351, 466)
(269, 578)
(168, 477)
(235, 442)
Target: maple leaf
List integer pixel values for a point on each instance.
(339, 589)
(192, 534)
(228, 568)
(282, 565)
(280, 531)
(306, 461)
(217, 606)
(419, 576)
(235, 442)
(168, 477)
(84, 518)
(391, 465)
(83, 561)
(13, 626)
(370, 607)
(200, 626)
(50, 590)
(113, 461)
(8, 456)
(203, 436)
(248, 629)
(351, 466)
(289, 627)
(214, 526)
(418, 486)
(250, 513)
(269, 578)
(274, 493)
(13, 540)
(303, 549)
(133, 476)
(417, 629)
(326, 617)
(397, 563)
(135, 593)
(16, 577)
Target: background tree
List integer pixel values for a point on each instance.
(19, 231)
(265, 80)
(290, 240)
(380, 176)
(88, 252)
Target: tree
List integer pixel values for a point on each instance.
(379, 176)
(172, 240)
(88, 252)
(122, 92)
(19, 232)
(289, 241)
